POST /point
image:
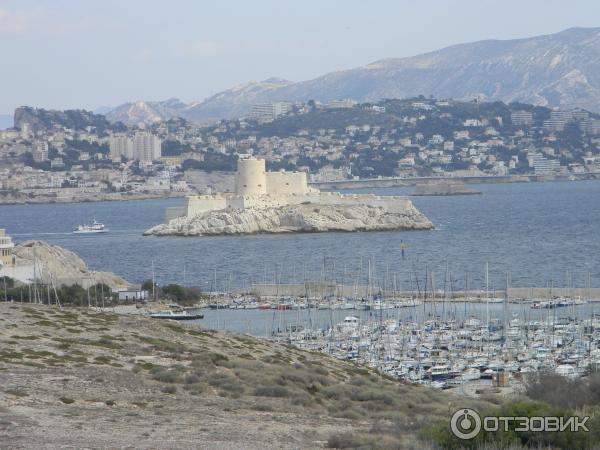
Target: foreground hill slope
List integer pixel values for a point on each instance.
(76, 378)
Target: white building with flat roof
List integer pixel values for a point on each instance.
(144, 146)
(120, 145)
(521, 118)
(6, 249)
(270, 110)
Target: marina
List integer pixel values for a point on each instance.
(445, 345)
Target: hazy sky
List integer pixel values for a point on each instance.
(67, 54)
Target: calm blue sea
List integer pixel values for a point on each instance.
(537, 231)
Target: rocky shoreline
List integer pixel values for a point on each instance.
(294, 218)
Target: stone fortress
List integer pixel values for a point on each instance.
(271, 202)
(257, 188)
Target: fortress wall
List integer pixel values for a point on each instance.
(262, 201)
(286, 183)
(199, 204)
(202, 203)
(393, 204)
(174, 212)
(251, 177)
(390, 204)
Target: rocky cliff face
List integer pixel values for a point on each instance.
(57, 265)
(296, 218)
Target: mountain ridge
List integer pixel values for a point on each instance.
(556, 70)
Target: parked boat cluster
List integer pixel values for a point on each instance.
(378, 303)
(443, 349)
(292, 303)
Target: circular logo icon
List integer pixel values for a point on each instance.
(465, 424)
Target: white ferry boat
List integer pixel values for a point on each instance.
(94, 227)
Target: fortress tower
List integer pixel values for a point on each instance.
(251, 177)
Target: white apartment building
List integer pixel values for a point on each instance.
(120, 145)
(144, 146)
(6, 249)
(270, 110)
(541, 164)
(555, 124)
(521, 118)
(561, 115)
(40, 152)
(590, 126)
(344, 103)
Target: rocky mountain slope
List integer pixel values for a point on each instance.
(561, 69)
(295, 218)
(147, 112)
(231, 103)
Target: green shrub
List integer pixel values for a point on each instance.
(440, 433)
(271, 391)
(165, 376)
(169, 389)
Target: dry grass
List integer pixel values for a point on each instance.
(170, 359)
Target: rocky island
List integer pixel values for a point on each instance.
(280, 202)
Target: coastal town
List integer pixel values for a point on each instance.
(76, 155)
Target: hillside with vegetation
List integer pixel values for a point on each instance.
(409, 137)
(76, 377)
(70, 374)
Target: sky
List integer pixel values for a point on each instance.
(87, 54)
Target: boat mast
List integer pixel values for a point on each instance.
(487, 296)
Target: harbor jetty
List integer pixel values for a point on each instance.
(336, 293)
(444, 188)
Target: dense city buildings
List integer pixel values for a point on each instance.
(143, 146)
(88, 156)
